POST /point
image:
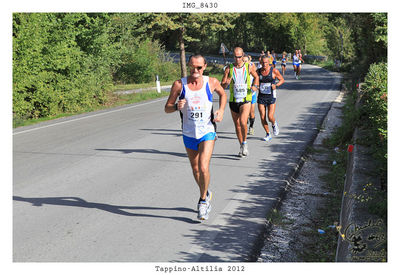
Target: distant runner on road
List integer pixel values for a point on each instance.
(296, 63)
(252, 117)
(259, 59)
(271, 58)
(283, 63)
(273, 54)
(195, 102)
(300, 56)
(267, 96)
(240, 95)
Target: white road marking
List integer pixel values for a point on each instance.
(90, 116)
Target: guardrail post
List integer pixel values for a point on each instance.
(158, 84)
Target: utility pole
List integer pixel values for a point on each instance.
(341, 48)
(182, 52)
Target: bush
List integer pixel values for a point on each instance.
(60, 63)
(63, 62)
(375, 113)
(350, 119)
(141, 63)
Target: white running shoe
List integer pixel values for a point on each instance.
(209, 196)
(267, 137)
(241, 151)
(245, 150)
(204, 209)
(275, 129)
(251, 131)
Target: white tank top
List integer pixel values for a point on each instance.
(240, 82)
(295, 59)
(197, 112)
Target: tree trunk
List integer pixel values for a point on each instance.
(182, 52)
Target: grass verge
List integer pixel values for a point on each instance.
(113, 100)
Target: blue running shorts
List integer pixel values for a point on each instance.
(254, 98)
(193, 143)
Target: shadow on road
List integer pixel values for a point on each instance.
(178, 133)
(115, 209)
(154, 151)
(144, 151)
(165, 132)
(243, 235)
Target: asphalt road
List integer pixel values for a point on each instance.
(116, 185)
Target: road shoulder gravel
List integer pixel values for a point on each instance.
(296, 216)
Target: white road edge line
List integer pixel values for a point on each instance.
(90, 116)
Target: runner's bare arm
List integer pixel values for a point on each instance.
(225, 79)
(216, 86)
(170, 106)
(279, 77)
(256, 81)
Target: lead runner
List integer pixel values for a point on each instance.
(195, 102)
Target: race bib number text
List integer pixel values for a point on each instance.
(240, 90)
(265, 88)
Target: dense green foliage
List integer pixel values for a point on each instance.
(375, 111)
(57, 65)
(358, 40)
(139, 57)
(66, 62)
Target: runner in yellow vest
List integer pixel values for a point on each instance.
(247, 59)
(270, 58)
(237, 77)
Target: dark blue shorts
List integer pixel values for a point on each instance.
(266, 100)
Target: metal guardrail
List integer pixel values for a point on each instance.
(314, 57)
(220, 60)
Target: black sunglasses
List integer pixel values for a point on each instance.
(237, 57)
(198, 68)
